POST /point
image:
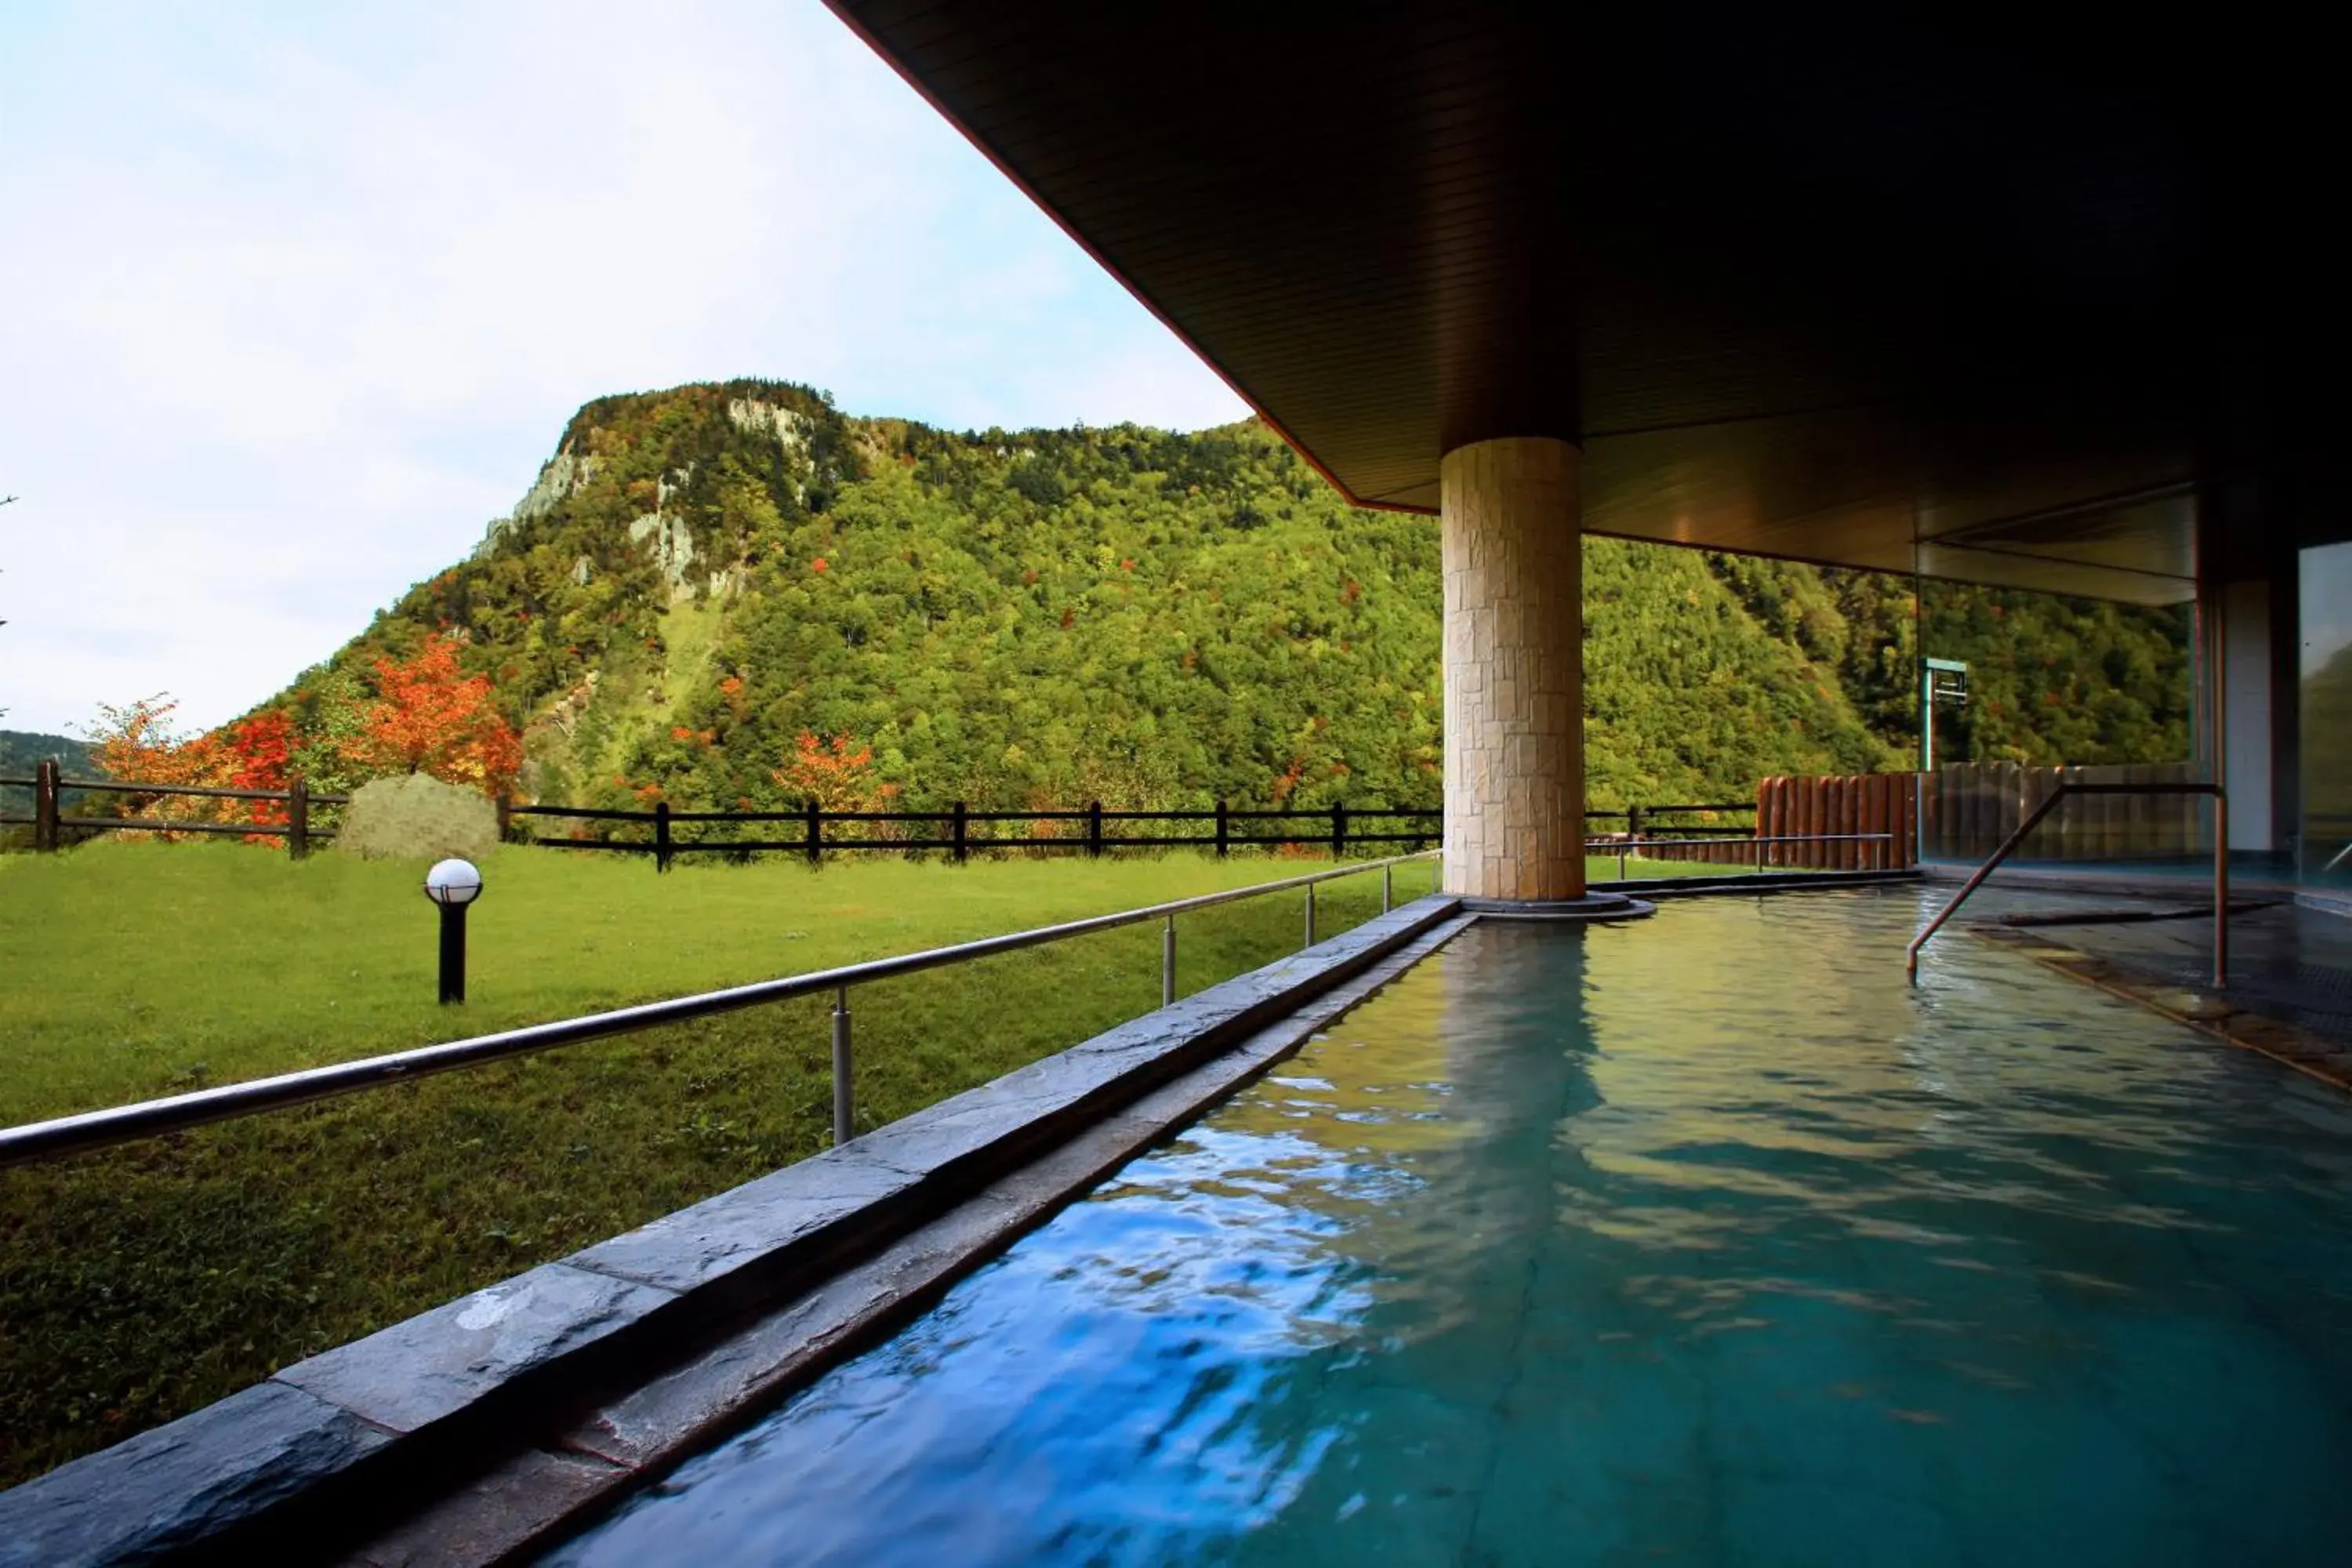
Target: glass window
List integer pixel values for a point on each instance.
(2326, 848)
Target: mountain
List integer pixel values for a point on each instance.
(699, 576)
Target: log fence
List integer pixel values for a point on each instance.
(1842, 822)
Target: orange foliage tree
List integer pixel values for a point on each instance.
(430, 717)
(136, 744)
(837, 775)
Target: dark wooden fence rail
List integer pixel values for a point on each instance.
(1703, 843)
(958, 831)
(50, 824)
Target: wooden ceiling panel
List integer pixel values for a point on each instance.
(1812, 287)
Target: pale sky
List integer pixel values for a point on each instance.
(298, 297)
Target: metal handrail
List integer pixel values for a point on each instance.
(2034, 820)
(1612, 840)
(1622, 844)
(91, 1130)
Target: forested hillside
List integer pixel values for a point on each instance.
(22, 750)
(703, 576)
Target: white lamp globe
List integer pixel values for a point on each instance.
(453, 883)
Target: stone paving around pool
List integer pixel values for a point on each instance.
(2290, 990)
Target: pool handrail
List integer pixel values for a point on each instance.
(85, 1131)
(1622, 844)
(2033, 819)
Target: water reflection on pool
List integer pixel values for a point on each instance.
(1705, 1240)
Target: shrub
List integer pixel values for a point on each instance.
(418, 817)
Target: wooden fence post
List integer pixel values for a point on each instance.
(298, 818)
(959, 832)
(45, 806)
(1846, 791)
(505, 803)
(1094, 829)
(1224, 826)
(661, 835)
(814, 818)
(1339, 832)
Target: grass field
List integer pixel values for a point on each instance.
(156, 968)
(141, 1282)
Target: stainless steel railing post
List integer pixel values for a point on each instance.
(1168, 963)
(842, 1130)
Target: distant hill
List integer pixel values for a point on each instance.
(21, 752)
(1021, 617)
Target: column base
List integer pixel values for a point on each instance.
(1591, 907)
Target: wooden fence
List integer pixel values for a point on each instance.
(1839, 805)
(1706, 843)
(1971, 808)
(664, 833)
(52, 824)
(959, 832)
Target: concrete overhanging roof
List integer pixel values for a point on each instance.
(1936, 294)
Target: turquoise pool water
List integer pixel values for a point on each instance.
(1699, 1241)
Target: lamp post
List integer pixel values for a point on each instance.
(453, 885)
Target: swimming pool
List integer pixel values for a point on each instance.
(1702, 1240)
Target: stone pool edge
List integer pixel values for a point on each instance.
(509, 1412)
(546, 1495)
(2215, 1014)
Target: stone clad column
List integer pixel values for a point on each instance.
(1514, 670)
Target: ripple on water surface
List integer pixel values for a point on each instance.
(1703, 1241)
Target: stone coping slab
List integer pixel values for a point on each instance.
(439, 1405)
(167, 1491)
(1595, 906)
(2327, 902)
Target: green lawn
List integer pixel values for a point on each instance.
(140, 1282)
(157, 968)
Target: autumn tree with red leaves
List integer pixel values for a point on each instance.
(837, 775)
(430, 717)
(136, 744)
